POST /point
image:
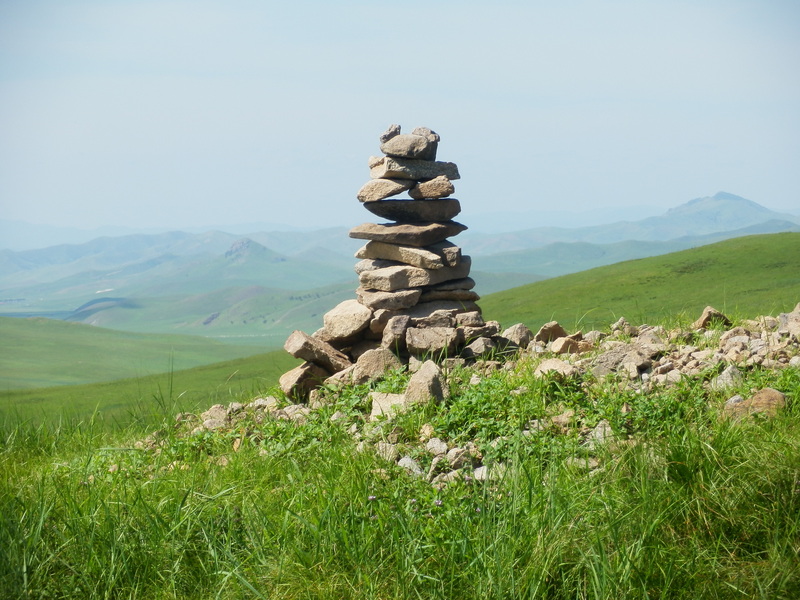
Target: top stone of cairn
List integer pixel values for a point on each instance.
(421, 143)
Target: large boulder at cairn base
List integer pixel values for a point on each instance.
(414, 211)
(405, 234)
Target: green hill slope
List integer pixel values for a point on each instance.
(123, 400)
(749, 275)
(43, 352)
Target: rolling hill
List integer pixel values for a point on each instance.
(742, 276)
(44, 352)
(256, 289)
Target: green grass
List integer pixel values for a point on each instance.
(749, 275)
(121, 401)
(41, 352)
(691, 507)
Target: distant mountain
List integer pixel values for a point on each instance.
(262, 285)
(561, 258)
(702, 216)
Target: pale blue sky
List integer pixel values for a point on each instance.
(190, 113)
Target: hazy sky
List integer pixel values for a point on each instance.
(188, 113)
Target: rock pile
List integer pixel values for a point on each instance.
(415, 296)
(643, 358)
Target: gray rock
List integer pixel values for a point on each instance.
(427, 385)
(431, 257)
(374, 364)
(438, 187)
(389, 279)
(387, 451)
(302, 345)
(429, 295)
(766, 402)
(414, 211)
(394, 300)
(519, 334)
(458, 458)
(390, 132)
(385, 404)
(436, 447)
(710, 315)
(549, 332)
(378, 189)
(555, 366)
(298, 382)
(345, 320)
(433, 341)
(394, 334)
(217, 412)
(410, 145)
(405, 234)
(412, 466)
(387, 167)
(730, 377)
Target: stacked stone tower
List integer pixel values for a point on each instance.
(415, 296)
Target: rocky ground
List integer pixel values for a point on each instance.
(641, 359)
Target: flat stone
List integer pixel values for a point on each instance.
(414, 211)
(449, 294)
(438, 187)
(387, 167)
(302, 345)
(372, 264)
(400, 277)
(427, 385)
(404, 234)
(420, 312)
(394, 300)
(378, 189)
(430, 257)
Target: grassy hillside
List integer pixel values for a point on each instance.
(126, 399)
(670, 501)
(750, 275)
(43, 352)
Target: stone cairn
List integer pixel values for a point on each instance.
(415, 298)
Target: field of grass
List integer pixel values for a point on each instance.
(689, 506)
(124, 400)
(44, 352)
(749, 275)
